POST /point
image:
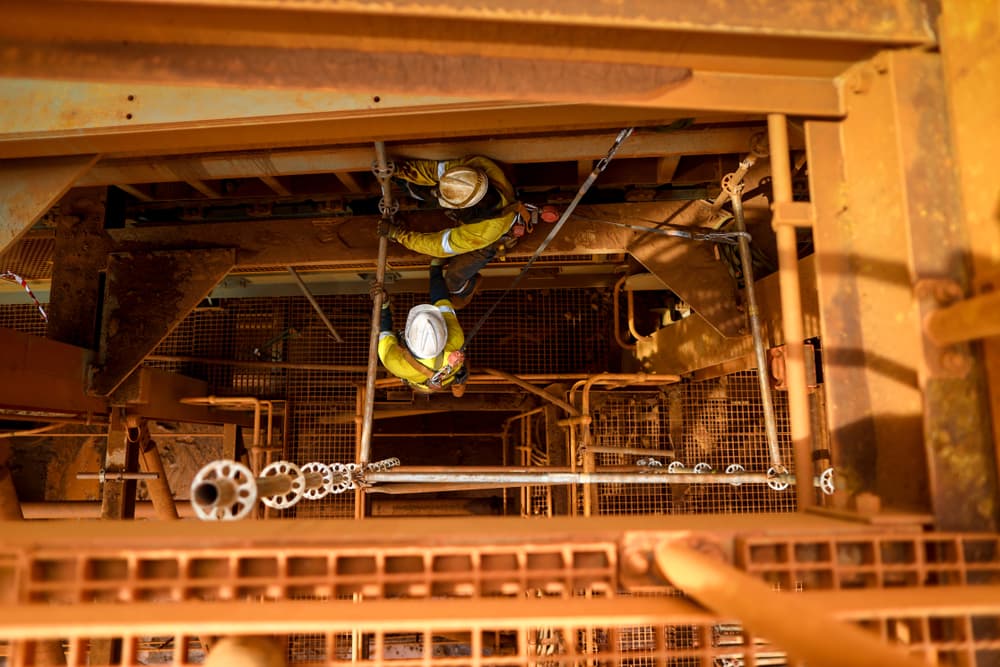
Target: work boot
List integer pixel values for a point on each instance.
(462, 298)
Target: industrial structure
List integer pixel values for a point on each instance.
(733, 391)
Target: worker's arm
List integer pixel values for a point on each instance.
(456, 337)
(387, 336)
(457, 240)
(420, 172)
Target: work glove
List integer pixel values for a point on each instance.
(391, 229)
(374, 289)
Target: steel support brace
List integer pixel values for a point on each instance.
(147, 295)
(692, 271)
(29, 188)
(347, 241)
(668, 350)
(80, 255)
(888, 217)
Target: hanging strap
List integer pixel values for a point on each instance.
(417, 366)
(598, 168)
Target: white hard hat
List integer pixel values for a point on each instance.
(426, 332)
(461, 187)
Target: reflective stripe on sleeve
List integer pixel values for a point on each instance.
(385, 334)
(445, 243)
(441, 169)
(447, 309)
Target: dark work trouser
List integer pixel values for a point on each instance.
(462, 268)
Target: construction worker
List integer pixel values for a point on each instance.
(430, 357)
(480, 198)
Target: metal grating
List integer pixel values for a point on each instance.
(505, 605)
(25, 318)
(30, 258)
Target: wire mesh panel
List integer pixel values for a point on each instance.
(723, 424)
(24, 318)
(712, 424)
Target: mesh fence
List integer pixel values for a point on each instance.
(716, 422)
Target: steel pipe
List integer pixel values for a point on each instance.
(315, 304)
(159, 488)
(638, 451)
(753, 314)
(383, 383)
(537, 391)
(800, 421)
(737, 177)
(221, 484)
(333, 368)
(816, 637)
(114, 475)
(542, 477)
(616, 315)
(382, 165)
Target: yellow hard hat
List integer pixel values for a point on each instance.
(461, 187)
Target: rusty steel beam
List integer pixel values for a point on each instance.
(29, 188)
(969, 34)
(345, 127)
(888, 220)
(407, 21)
(666, 145)
(45, 375)
(153, 393)
(322, 533)
(147, 296)
(350, 240)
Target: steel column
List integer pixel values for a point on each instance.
(791, 311)
(968, 36)
(888, 220)
(79, 256)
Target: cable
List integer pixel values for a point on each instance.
(601, 165)
(677, 231)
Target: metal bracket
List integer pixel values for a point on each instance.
(147, 294)
(777, 367)
(951, 361)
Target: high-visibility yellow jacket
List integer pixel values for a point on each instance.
(391, 354)
(471, 235)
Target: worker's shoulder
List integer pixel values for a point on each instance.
(445, 306)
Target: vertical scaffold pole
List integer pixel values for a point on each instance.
(382, 172)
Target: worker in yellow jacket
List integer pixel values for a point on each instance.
(429, 357)
(479, 197)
